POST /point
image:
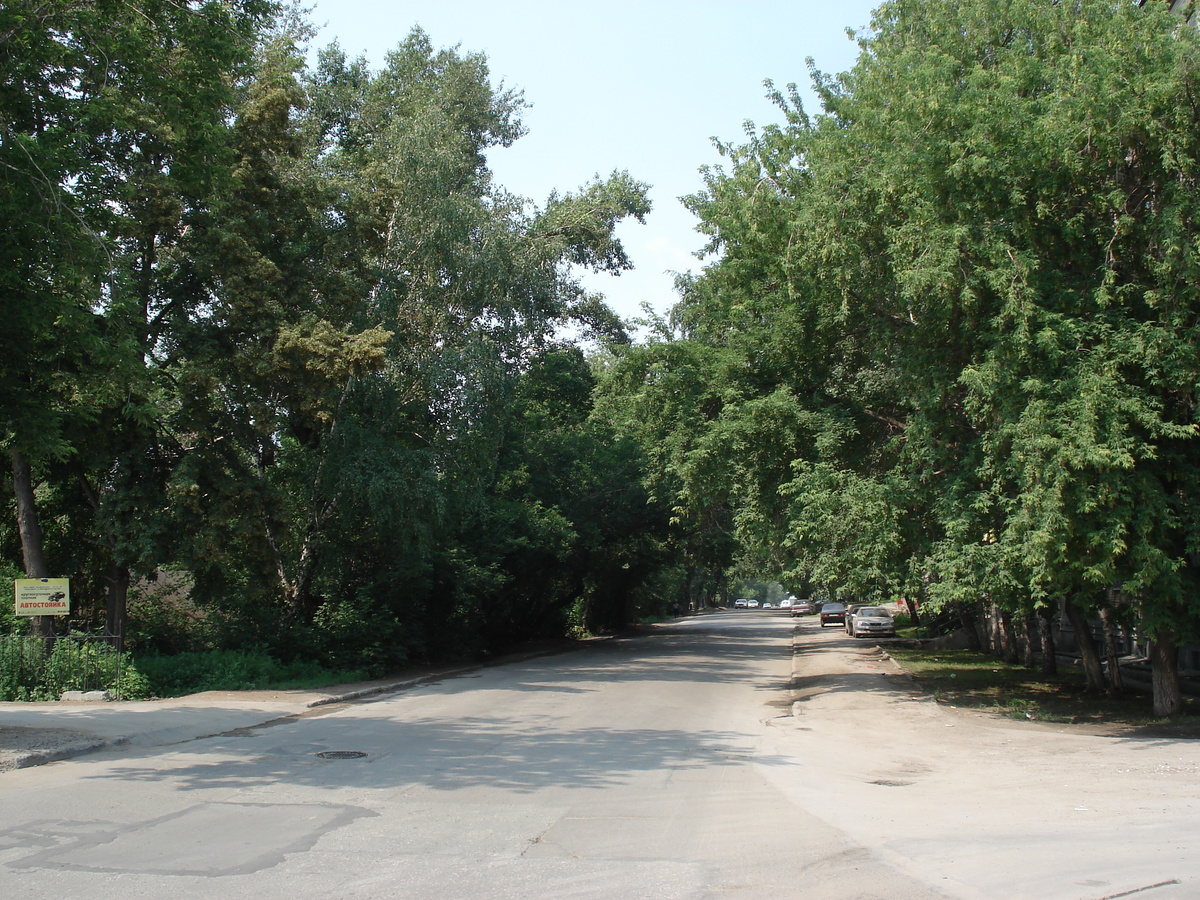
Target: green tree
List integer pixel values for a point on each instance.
(277, 325)
(665, 394)
(1040, 170)
(370, 297)
(960, 312)
(113, 115)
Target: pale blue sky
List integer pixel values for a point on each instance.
(642, 86)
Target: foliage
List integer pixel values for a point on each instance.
(279, 335)
(569, 514)
(663, 395)
(29, 672)
(235, 670)
(8, 617)
(947, 332)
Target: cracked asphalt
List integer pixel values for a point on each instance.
(735, 755)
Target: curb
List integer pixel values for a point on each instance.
(37, 756)
(40, 757)
(390, 688)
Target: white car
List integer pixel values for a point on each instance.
(751, 604)
(741, 603)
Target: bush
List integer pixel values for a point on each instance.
(74, 663)
(163, 619)
(9, 621)
(234, 670)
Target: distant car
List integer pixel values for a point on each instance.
(872, 620)
(751, 604)
(833, 614)
(741, 603)
(785, 604)
(803, 608)
(766, 604)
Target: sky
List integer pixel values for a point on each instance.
(623, 85)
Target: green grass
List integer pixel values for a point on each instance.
(967, 679)
(235, 670)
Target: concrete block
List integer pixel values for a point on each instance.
(84, 696)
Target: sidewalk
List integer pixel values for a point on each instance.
(32, 734)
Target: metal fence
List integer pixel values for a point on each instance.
(44, 667)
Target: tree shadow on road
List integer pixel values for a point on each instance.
(494, 750)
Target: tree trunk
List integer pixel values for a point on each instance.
(1029, 639)
(1164, 662)
(295, 588)
(995, 638)
(1049, 651)
(118, 604)
(1089, 653)
(117, 595)
(1008, 637)
(912, 610)
(1116, 683)
(967, 617)
(30, 531)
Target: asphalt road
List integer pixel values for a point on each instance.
(704, 760)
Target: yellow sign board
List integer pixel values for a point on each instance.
(43, 596)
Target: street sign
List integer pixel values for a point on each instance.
(42, 596)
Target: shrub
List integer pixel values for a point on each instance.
(28, 671)
(234, 670)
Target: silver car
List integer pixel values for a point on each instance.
(871, 620)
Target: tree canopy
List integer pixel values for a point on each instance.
(949, 322)
(277, 335)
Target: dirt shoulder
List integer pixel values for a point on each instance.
(996, 807)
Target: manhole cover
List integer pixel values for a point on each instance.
(341, 754)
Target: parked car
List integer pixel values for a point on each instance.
(803, 608)
(833, 614)
(871, 620)
(786, 603)
(741, 603)
(751, 604)
(766, 604)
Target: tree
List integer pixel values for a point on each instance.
(968, 282)
(278, 329)
(113, 115)
(368, 297)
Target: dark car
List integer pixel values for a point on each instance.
(833, 614)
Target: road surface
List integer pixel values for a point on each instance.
(704, 760)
